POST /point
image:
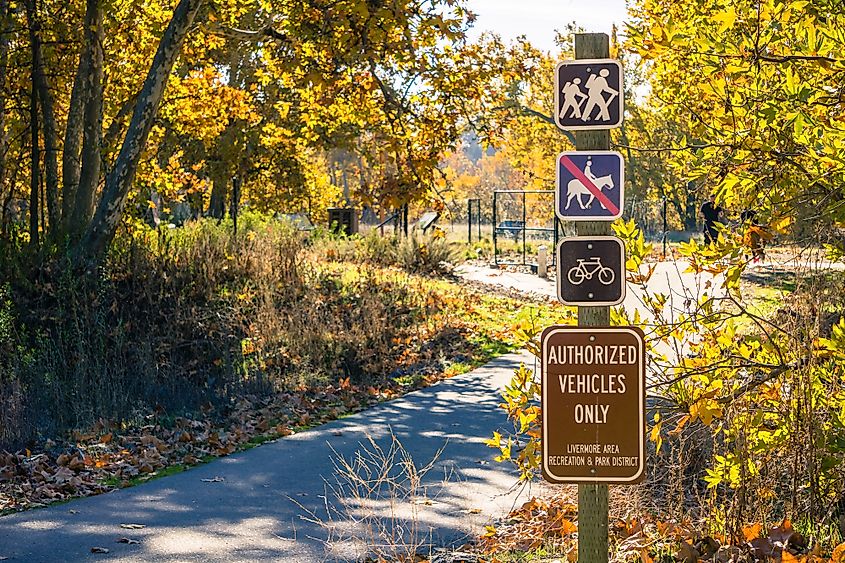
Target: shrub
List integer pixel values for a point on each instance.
(429, 255)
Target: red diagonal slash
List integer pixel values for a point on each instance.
(575, 171)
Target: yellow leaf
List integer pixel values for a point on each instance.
(655, 435)
(726, 19)
(780, 225)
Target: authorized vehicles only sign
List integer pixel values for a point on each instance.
(593, 393)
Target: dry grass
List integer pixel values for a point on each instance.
(189, 317)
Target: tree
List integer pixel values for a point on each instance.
(762, 107)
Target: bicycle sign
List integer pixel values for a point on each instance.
(587, 268)
(591, 271)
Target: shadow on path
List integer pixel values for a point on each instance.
(253, 504)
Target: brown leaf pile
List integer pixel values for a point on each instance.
(110, 455)
(781, 544)
(551, 524)
(537, 523)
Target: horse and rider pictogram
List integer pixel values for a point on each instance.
(590, 186)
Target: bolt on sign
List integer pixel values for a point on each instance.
(591, 271)
(589, 94)
(590, 186)
(593, 393)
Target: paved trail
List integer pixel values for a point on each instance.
(244, 512)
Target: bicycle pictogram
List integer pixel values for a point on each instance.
(587, 268)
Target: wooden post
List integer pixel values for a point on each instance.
(592, 499)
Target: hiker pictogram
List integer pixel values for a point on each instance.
(589, 94)
(573, 97)
(587, 268)
(590, 186)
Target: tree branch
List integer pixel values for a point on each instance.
(525, 110)
(245, 34)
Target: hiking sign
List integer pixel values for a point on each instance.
(590, 186)
(589, 94)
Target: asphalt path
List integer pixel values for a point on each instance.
(269, 503)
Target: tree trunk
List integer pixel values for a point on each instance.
(92, 136)
(236, 202)
(112, 134)
(219, 189)
(34, 183)
(4, 63)
(7, 203)
(39, 81)
(690, 214)
(72, 152)
(103, 227)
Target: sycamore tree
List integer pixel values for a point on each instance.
(758, 87)
(119, 100)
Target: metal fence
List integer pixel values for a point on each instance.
(522, 221)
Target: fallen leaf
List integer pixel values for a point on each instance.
(762, 548)
(752, 532)
(127, 541)
(838, 554)
(687, 553)
(781, 534)
(787, 557)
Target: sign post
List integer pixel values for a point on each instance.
(593, 382)
(592, 497)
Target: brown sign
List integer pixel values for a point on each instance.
(593, 404)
